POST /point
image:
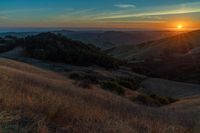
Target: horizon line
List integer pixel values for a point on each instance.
(46, 29)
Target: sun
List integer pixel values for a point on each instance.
(179, 27)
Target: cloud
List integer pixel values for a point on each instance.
(172, 12)
(133, 21)
(185, 8)
(3, 17)
(24, 10)
(71, 15)
(125, 5)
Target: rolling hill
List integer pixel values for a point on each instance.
(58, 48)
(38, 100)
(40, 94)
(175, 58)
(178, 45)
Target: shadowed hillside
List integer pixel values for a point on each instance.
(172, 46)
(58, 48)
(175, 58)
(36, 100)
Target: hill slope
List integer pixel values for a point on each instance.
(172, 46)
(37, 100)
(175, 58)
(58, 48)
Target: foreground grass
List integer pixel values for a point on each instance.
(38, 101)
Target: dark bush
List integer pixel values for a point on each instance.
(171, 100)
(85, 84)
(154, 100)
(75, 76)
(8, 43)
(113, 87)
(92, 78)
(128, 82)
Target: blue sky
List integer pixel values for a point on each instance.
(100, 14)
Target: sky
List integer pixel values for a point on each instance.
(124, 14)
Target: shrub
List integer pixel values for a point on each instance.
(127, 84)
(146, 100)
(75, 76)
(85, 84)
(130, 82)
(93, 79)
(154, 100)
(171, 100)
(113, 87)
(8, 43)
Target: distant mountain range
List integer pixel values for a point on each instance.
(110, 39)
(106, 39)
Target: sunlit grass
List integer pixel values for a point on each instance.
(35, 100)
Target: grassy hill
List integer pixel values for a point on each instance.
(49, 93)
(159, 49)
(175, 58)
(37, 100)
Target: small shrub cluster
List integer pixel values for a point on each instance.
(127, 84)
(85, 84)
(8, 43)
(154, 100)
(113, 87)
(91, 78)
(75, 76)
(84, 80)
(131, 83)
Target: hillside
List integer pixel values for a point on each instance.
(44, 93)
(58, 48)
(171, 46)
(37, 100)
(175, 58)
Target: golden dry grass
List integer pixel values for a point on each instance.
(39, 101)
